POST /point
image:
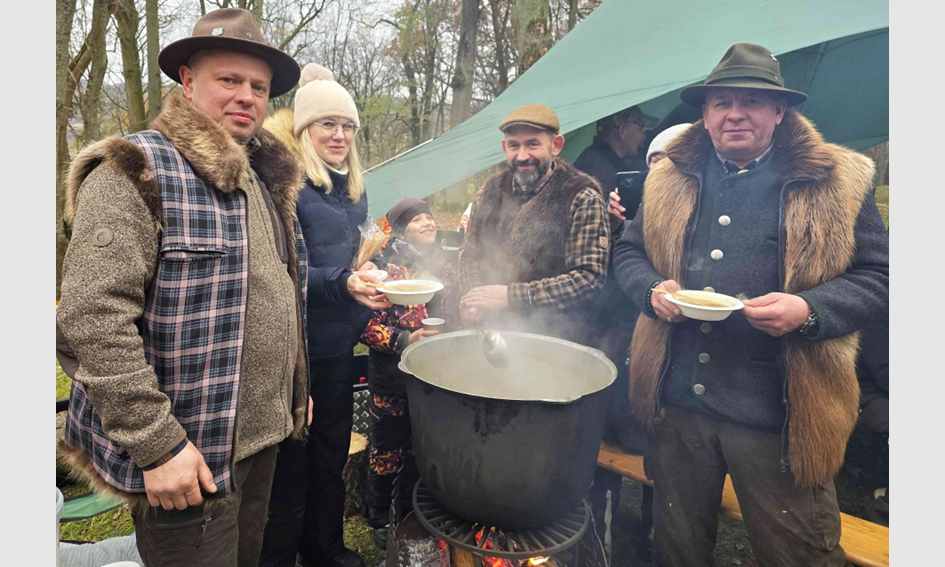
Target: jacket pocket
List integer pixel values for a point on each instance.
(191, 253)
(188, 528)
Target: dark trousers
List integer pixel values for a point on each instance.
(222, 532)
(391, 455)
(306, 510)
(787, 525)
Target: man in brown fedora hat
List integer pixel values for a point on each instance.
(751, 202)
(184, 297)
(537, 248)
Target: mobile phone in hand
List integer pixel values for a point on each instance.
(630, 189)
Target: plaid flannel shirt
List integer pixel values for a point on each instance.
(193, 320)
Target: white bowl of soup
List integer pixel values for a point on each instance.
(704, 305)
(410, 292)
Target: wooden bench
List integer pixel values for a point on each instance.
(865, 543)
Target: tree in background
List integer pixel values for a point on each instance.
(465, 67)
(65, 13)
(126, 18)
(414, 67)
(532, 31)
(154, 71)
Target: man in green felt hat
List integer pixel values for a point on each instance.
(752, 202)
(538, 245)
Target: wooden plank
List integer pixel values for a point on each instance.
(865, 543)
(614, 459)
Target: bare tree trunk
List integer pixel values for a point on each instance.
(532, 32)
(203, 8)
(258, 11)
(91, 106)
(462, 84)
(366, 133)
(154, 71)
(429, 77)
(126, 17)
(498, 30)
(65, 11)
(412, 101)
(465, 63)
(572, 13)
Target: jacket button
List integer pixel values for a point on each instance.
(709, 289)
(725, 220)
(698, 389)
(704, 357)
(716, 254)
(705, 328)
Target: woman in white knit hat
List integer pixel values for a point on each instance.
(306, 508)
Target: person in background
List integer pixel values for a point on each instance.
(192, 366)
(654, 154)
(752, 201)
(872, 372)
(410, 253)
(616, 147)
(616, 316)
(307, 504)
(537, 250)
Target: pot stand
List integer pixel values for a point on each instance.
(487, 540)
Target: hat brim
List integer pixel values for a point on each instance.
(536, 125)
(695, 95)
(650, 122)
(285, 70)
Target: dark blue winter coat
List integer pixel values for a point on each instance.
(330, 227)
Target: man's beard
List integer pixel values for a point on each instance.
(527, 177)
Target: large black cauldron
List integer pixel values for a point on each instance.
(517, 447)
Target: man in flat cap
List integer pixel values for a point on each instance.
(184, 298)
(537, 248)
(752, 202)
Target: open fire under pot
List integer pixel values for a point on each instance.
(505, 456)
(431, 536)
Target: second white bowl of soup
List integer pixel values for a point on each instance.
(410, 292)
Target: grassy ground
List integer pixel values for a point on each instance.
(62, 383)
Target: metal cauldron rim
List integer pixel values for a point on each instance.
(557, 401)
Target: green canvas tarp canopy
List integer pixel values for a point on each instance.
(631, 52)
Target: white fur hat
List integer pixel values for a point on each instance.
(660, 142)
(319, 96)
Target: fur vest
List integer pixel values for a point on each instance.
(824, 186)
(526, 240)
(187, 170)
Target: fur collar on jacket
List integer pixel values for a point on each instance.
(216, 157)
(827, 187)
